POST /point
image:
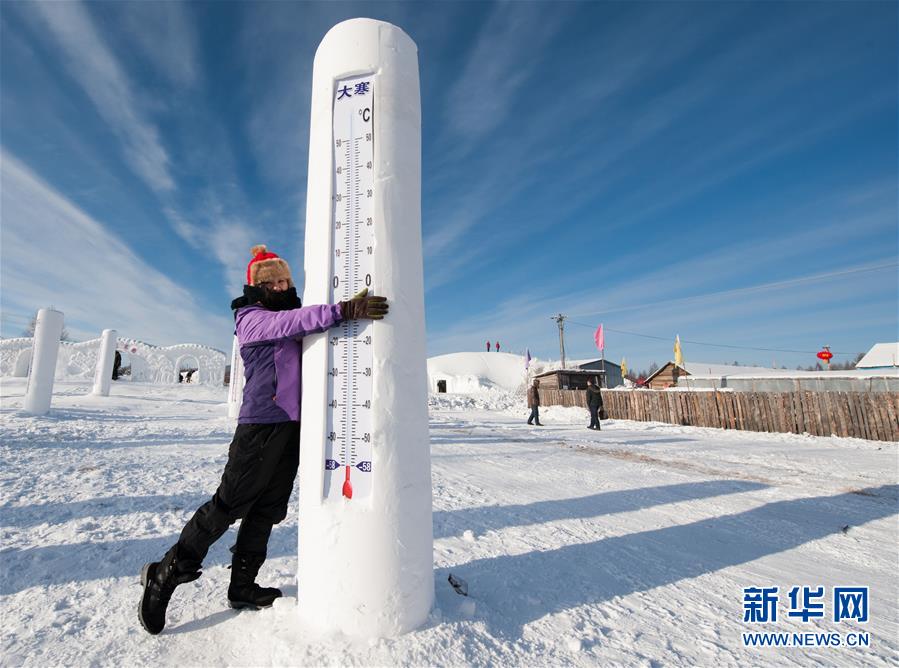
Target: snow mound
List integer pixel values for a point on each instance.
(467, 373)
(495, 400)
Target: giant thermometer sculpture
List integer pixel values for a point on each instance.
(365, 540)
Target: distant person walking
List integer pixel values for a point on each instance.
(116, 365)
(497, 346)
(594, 403)
(534, 403)
(488, 346)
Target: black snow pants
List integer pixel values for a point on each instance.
(594, 416)
(256, 486)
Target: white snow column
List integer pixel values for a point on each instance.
(47, 332)
(105, 362)
(365, 564)
(236, 382)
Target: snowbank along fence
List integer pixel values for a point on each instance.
(870, 415)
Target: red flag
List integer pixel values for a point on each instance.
(600, 338)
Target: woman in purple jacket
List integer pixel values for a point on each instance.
(270, 323)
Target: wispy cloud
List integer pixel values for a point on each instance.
(800, 316)
(54, 253)
(165, 38)
(882, 265)
(509, 166)
(503, 59)
(92, 64)
(229, 237)
(686, 291)
(698, 273)
(162, 32)
(279, 42)
(221, 233)
(613, 161)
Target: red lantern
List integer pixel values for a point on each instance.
(825, 355)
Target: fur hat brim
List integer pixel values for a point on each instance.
(270, 271)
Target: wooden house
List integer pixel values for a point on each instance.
(712, 375)
(612, 372)
(666, 376)
(568, 379)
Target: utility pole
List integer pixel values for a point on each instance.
(560, 320)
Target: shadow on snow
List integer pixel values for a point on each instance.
(482, 519)
(516, 590)
(519, 589)
(108, 506)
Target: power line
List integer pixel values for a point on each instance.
(702, 343)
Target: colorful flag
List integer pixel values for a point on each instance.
(527, 361)
(623, 367)
(600, 338)
(678, 355)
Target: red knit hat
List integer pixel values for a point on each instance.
(266, 267)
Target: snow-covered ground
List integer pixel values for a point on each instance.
(629, 546)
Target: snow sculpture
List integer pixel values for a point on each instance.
(160, 365)
(105, 362)
(15, 356)
(149, 363)
(366, 542)
(47, 331)
(236, 382)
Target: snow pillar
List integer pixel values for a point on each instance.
(365, 563)
(44, 351)
(105, 362)
(236, 381)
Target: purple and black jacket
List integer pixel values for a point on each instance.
(271, 346)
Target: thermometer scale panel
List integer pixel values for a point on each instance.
(348, 449)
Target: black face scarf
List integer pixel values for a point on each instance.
(273, 301)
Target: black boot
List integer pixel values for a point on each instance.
(159, 579)
(244, 592)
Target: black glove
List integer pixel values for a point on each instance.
(364, 305)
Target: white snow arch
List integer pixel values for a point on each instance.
(162, 364)
(187, 361)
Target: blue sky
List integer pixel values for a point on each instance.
(723, 171)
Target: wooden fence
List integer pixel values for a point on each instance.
(870, 415)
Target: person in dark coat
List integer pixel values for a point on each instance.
(488, 346)
(534, 403)
(497, 346)
(594, 403)
(116, 365)
(270, 323)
